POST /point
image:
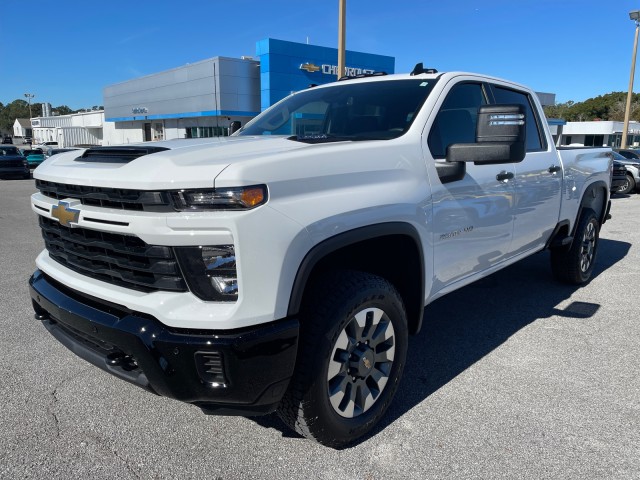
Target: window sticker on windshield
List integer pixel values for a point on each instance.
(424, 84)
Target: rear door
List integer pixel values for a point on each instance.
(538, 178)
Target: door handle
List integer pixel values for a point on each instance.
(553, 169)
(504, 176)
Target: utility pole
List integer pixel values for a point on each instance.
(342, 33)
(29, 96)
(635, 16)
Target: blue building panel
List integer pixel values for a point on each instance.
(287, 67)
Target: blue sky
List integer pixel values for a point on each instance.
(66, 51)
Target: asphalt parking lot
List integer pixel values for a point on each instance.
(516, 376)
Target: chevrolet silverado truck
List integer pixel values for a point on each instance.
(283, 268)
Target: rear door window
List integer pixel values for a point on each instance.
(535, 140)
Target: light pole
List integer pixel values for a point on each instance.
(29, 96)
(635, 16)
(342, 32)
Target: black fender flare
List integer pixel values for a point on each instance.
(351, 237)
(591, 189)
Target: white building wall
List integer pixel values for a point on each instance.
(19, 130)
(85, 128)
(88, 119)
(592, 128)
(122, 133)
(575, 133)
(71, 136)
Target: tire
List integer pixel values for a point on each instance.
(351, 355)
(628, 187)
(575, 265)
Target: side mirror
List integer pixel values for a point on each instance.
(500, 137)
(234, 127)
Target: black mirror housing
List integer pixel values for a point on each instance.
(500, 137)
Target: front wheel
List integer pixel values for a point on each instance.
(629, 186)
(351, 355)
(575, 265)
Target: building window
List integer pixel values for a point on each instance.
(207, 132)
(593, 140)
(158, 132)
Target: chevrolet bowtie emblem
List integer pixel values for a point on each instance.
(65, 214)
(310, 67)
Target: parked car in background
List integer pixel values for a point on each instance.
(632, 173)
(629, 154)
(619, 179)
(34, 156)
(7, 140)
(46, 146)
(54, 151)
(13, 163)
(27, 140)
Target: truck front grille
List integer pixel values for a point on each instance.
(118, 259)
(120, 198)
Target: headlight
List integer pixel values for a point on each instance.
(235, 198)
(210, 271)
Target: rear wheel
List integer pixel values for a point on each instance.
(575, 265)
(352, 352)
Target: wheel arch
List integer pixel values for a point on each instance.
(595, 197)
(359, 249)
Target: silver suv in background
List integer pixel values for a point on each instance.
(632, 165)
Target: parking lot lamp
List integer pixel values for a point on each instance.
(29, 96)
(635, 16)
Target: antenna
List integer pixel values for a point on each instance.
(419, 68)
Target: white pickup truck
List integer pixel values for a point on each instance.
(282, 268)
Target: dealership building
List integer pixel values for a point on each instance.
(202, 99)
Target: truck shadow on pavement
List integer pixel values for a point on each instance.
(464, 326)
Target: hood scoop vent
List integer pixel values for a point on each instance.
(116, 154)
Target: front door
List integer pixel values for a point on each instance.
(472, 216)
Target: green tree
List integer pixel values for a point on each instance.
(9, 113)
(610, 106)
(62, 110)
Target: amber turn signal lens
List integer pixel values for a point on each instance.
(253, 196)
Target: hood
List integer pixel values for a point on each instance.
(185, 163)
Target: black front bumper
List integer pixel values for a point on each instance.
(242, 372)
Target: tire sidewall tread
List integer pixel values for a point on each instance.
(565, 263)
(339, 295)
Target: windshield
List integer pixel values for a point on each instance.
(358, 111)
(5, 151)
